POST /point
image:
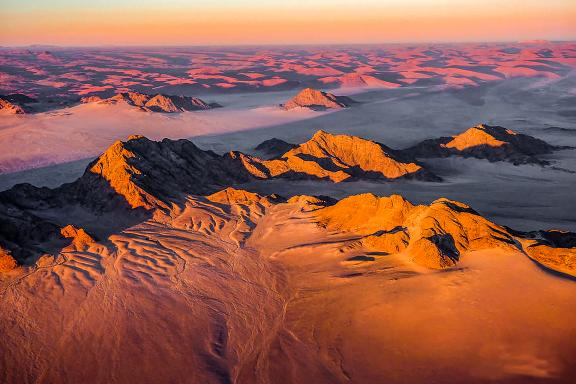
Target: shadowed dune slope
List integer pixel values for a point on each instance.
(274, 147)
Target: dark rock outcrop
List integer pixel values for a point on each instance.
(493, 143)
(274, 147)
(436, 235)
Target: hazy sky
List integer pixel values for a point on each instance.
(190, 22)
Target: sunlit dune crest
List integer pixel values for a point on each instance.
(336, 158)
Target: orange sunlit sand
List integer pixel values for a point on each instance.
(287, 192)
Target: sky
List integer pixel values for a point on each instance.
(240, 22)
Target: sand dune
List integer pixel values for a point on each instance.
(212, 70)
(246, 288)
(336, 260)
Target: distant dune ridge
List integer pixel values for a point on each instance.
(358, 80)
(483, 141)
(317, 100)
(155, 103)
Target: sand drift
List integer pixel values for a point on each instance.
(137, 261)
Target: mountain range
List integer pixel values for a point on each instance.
(139, 178)
(155, 103)
(493, 143)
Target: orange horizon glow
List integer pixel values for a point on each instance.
(256, 22)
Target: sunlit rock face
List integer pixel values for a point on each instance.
(554, 249)
(149, 174)
(336, 158)
(493, 143)
(317, 100)
(10, 108)
(432, 236)
(80, 239)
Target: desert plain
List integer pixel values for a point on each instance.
(152, 241)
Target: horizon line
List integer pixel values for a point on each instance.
(437, 42)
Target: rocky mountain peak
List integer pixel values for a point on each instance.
(80, 239)
(318, 100)
(483, 141)
(357, 156)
